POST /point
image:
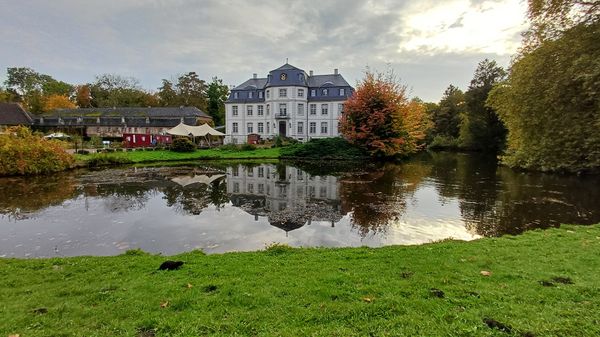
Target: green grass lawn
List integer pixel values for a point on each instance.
(316, 292)
(165, 155)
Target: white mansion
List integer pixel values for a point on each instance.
(289, 102)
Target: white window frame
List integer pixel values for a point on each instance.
(284, 111)
(300, 109)
(324, 109)
(282, 93)
(300, 127)
(234, 127)
(249, 110)
(250, 127)
(313, 92)
(260, 110)
(235, 95)
(340, 107)
(249, 94)
(260, 128)
(342, 91)
(300, 92)
(324, 128)
(313, 128)
(313, 109)
(234, 110)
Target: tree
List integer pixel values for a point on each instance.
(217, 95)
(83, 96)
(551, 18)
(54, 102)
(192, 91)
(167, 95)
(481, 129)
(111, 90)
(551, 106)
(32, 87)
(446, 117)
(379, 118)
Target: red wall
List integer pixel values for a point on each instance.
(144, 140)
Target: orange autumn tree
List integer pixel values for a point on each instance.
(54, 102)
(382, 120)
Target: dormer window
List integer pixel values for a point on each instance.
(342, 92)
(250, 94)
(324, 92)
(235, 95)
(301, 77)
(260, 94)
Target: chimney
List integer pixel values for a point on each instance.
(335, 71)
(310, 73)
(255, 76)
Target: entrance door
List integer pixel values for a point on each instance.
(283, 128)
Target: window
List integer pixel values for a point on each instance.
(300, 92)
(250, 94)
(283, 109)
(323, 127)
(300, 127)
(313, 93)
(261, 188)
(250, 128)
(235, 95)
(300, 176)
(313, 109)
(235, 171)
(324, 92)
(236, 187)
(260, 94)
(323, 191)
(313, 127)
(282, 92)
(342, 92)
(250, 172)
(260, 110)
(234, 110)
(261, 172)
(268, 93)
(234, 128)
(250, 188)
(260, 128)
(340, 107)
(249, 111)
(268, 109)
(300, 77)
(268, 124)
(300, 109)
(324, 109)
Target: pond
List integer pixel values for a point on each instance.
(223, 207)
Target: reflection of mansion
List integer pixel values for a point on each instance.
(288, 102)
(288, 196)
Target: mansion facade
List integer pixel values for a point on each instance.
(288, 102)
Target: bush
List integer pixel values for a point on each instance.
(23, 153)
(229, 147)
(183, 145)
(104, 160)
(248, 147)
(442, 142)
(326, 148)
(83, 152)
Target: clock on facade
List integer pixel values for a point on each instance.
(283, 76)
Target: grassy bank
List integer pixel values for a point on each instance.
(317, 292)
(166, 155)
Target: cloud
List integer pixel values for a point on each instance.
(75, 40)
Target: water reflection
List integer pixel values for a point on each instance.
(222, 208)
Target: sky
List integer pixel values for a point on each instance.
(428, 44)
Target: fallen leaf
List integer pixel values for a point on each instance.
(164, 304)
(17, 335)
(367, 299)
(485, 273)
(189, 285)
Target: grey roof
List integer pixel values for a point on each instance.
(14, 114)
(287, 66)
(257, 83)
(114, 121)
(316, 81)
(188, 111)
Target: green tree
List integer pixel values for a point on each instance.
(192, 91)
(551, 103)
(111, 90)
(481, 129)
(446, 117)
(167, 94)
(217, 95)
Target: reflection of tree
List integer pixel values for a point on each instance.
(497, 200)
(192, 199)
(20, 195)
(380, 195)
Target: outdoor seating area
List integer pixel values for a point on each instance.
(203, 135)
